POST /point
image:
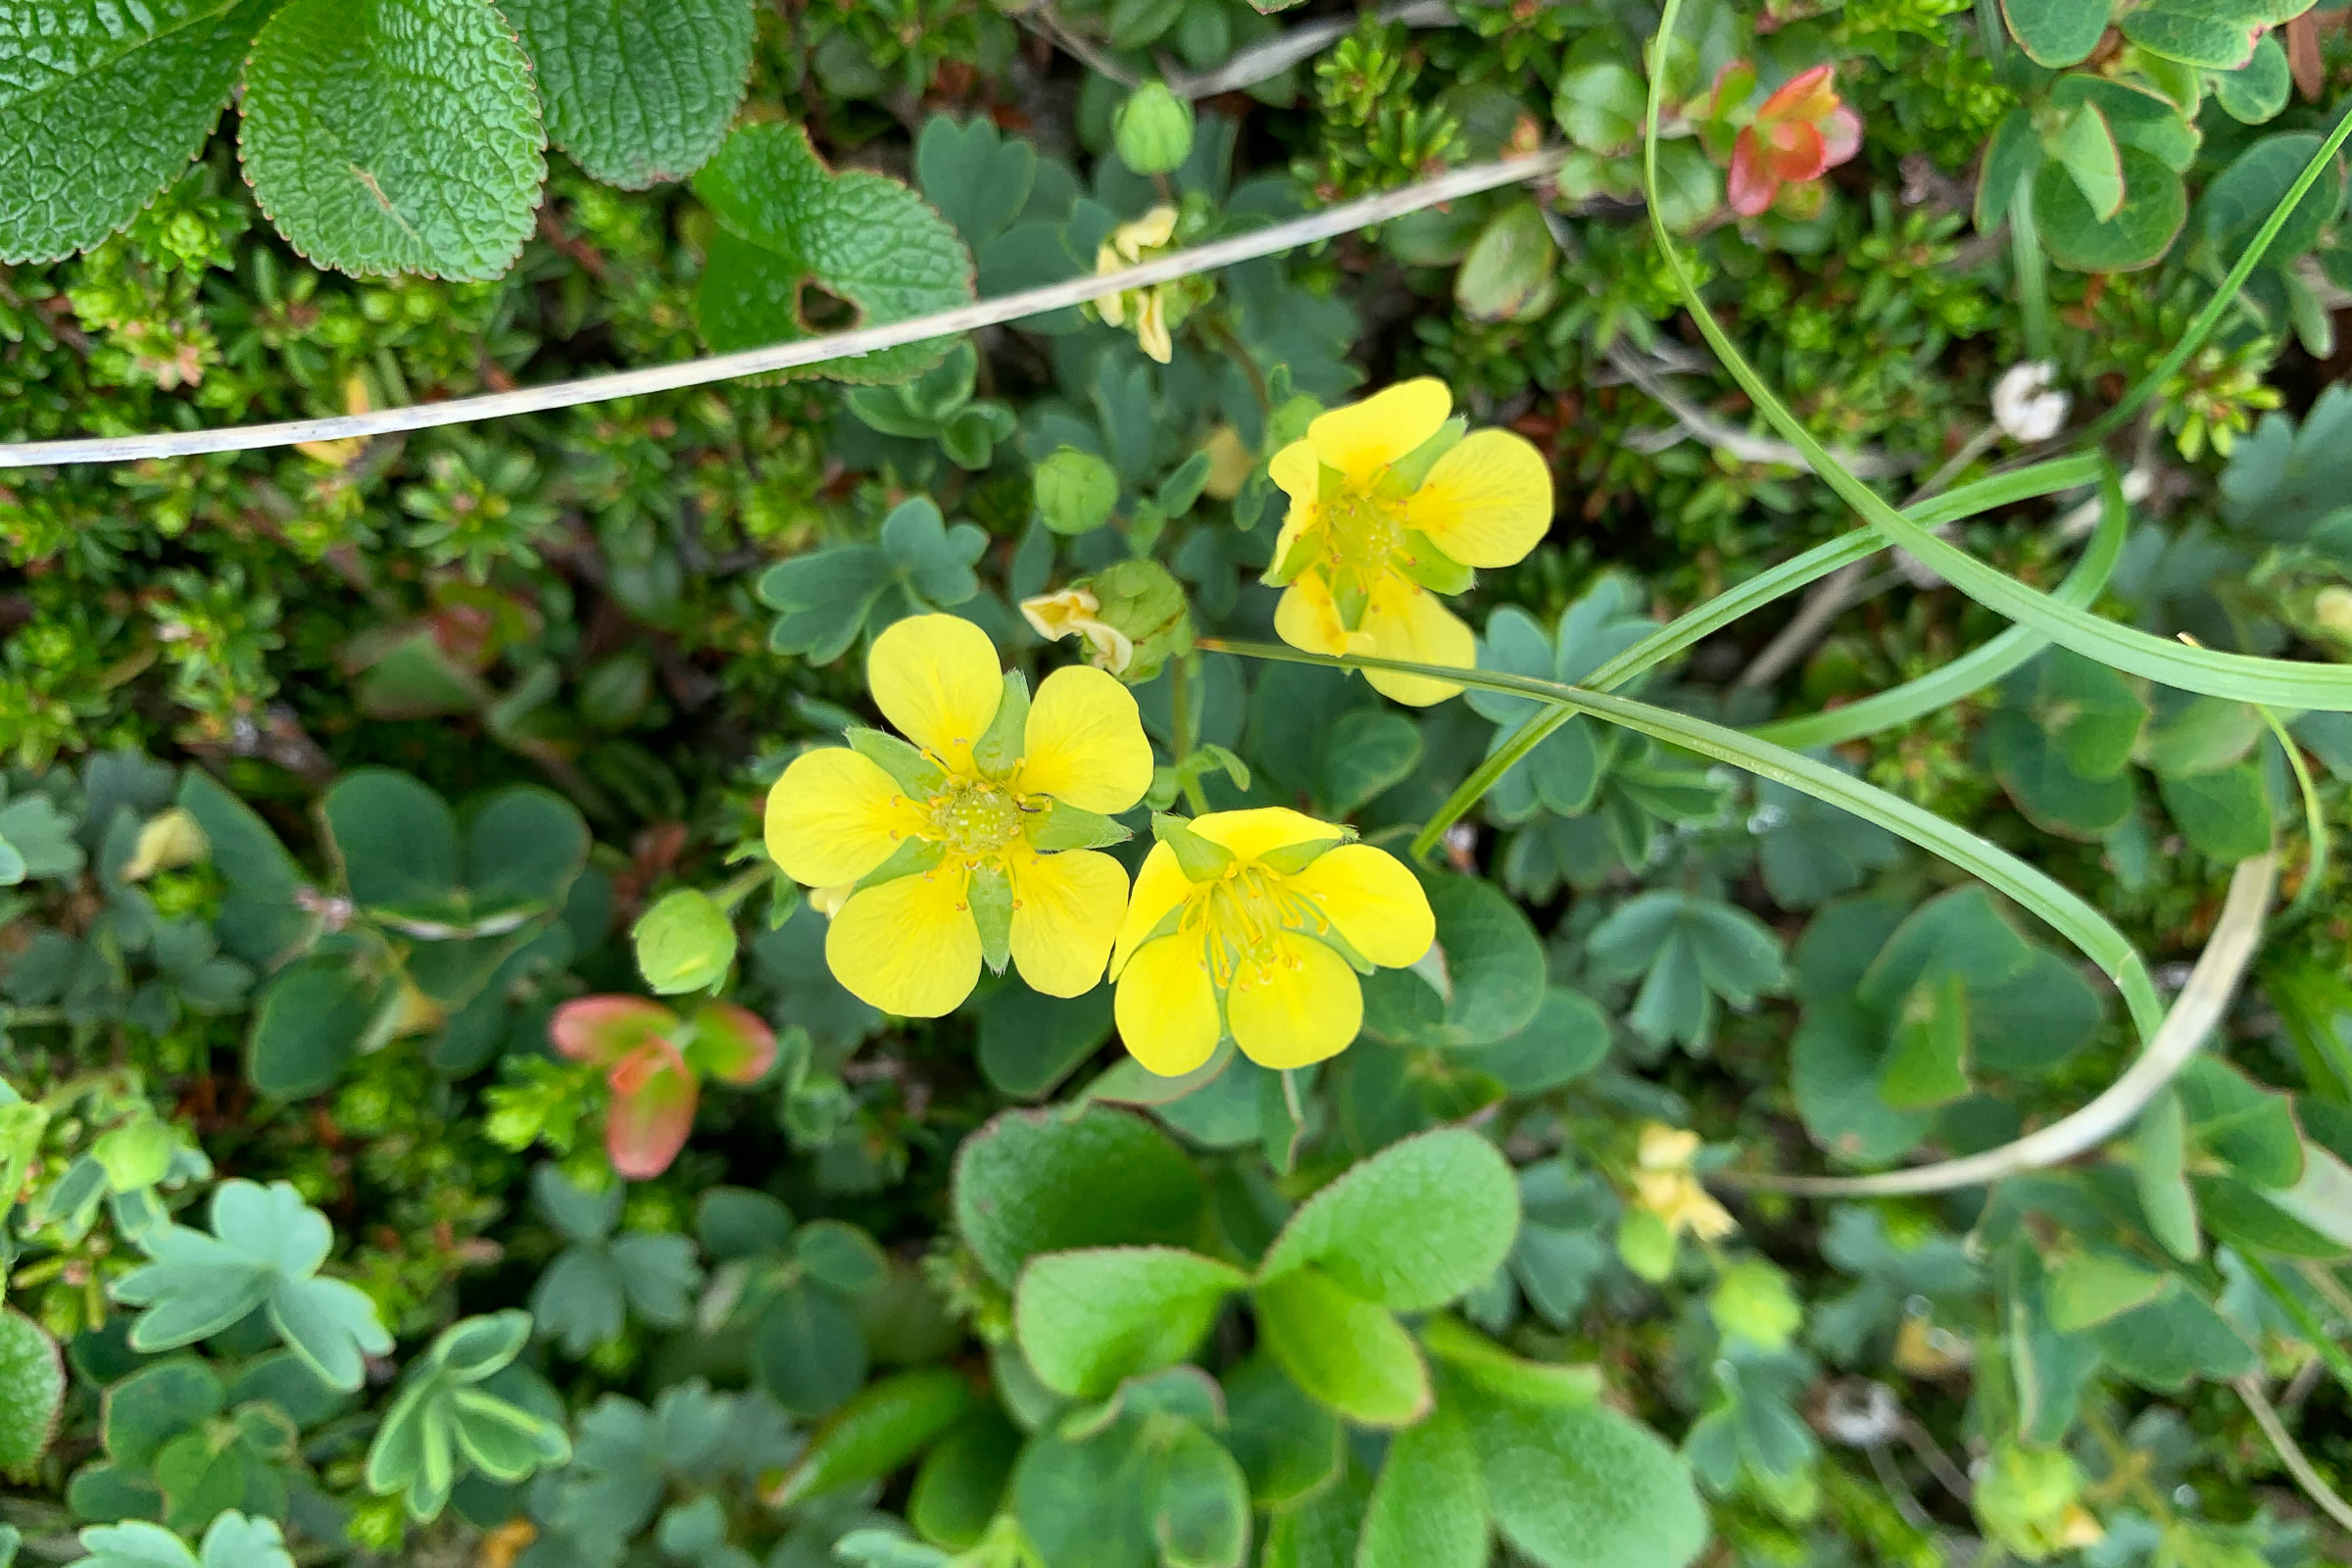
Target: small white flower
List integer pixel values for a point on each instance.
(2025, 406)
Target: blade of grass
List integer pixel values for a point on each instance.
(2034, 890)
(1703, 621)
(1972, 671)
(2236, 677)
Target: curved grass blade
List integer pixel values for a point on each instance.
(2057, 907)
(2239, 677)
(1703, 621)
(1972, 671)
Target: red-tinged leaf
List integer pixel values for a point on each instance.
(654, 1092)
(603, 1029)
(731, 1044)
(1752, 186)
(1840, 136)
(1806, 98)
(1735, 83)
(1793, 153)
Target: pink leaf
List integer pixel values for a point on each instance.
(1752, 186)
(1840, 136)
(603, 1029)
(652, 1110)
(1807, 96)
(732, 1044)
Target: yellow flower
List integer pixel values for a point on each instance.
(977, 841)
(1130, 243)
(1376, 533)
(1665, 1185)
(1077, 611)
(1252, 924)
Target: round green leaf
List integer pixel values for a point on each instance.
(394, 136)
(2155, 206)
(1580, 1486)
(1411, 1228)
(1429, 1507)
(1076, 1176)
(806, 1350)
(2056, 32)
(1090, 1320)
(2241, 197)
(312, 1023)
(637, 91)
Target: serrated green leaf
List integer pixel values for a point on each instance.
(637, 91)
(33, 1388)
(1089, 1320)
(797, 225)
(1348, 1352)
(105, 103)
(1411, 1228)
(1585, 1487)
(1076, 1176)
(394, 136)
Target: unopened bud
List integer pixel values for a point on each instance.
(684, 943)
(1133, 614)
(1153, 130)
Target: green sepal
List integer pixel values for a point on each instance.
(1062, 826)
(1350, 598)
(1407, 473)
(990, 895)
(999, 750)
(1432, 567)
(910, 859)
(1200, 859)
(1296, 559)
(1292, 858)
(1330, 937)
(904, 762)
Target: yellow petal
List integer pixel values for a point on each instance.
(1252, 833)
(1409, 623)
(1166, 1009)
(835, 816)
(1304, 1008)
(1064, 908)
(1307, 620)
(1085, 743)
(1375, 901)
(1160, 887)
(936, 680)
(1364, 438)
(1487, 502)
(1151, 326)
(908, 945)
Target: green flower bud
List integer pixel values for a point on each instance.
(1752, 1301)
(1153, 130)
(2028, 1500)
(684, 943)
(1133, 614)
(1075, 491)
(134, 1155)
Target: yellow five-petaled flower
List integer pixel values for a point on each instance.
(1391, 506)
(1253, 924)
(978, 840)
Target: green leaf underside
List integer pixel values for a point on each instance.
(104, 104)
(394, 136)
(788, 224)
(637, 91)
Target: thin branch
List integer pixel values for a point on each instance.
(1303, 42)
(2314, 1485)
(1744, 444)
(2192, 1017)
(1329, 224)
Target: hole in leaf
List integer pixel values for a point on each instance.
(823, 311)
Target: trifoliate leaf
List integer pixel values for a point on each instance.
(104, 105)
(394, 136)
(637, 91)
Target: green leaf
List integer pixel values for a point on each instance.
(1348, 1352)
(1289, 1445)
(1493, 971)
(2089, 1288)
(394, 136)
(462, 1404)
(397, 839)
(2159, 1162)
(1199, 1503)
(1429, 1507)
(2257, 89)
(2136, 115)
(808, 1350)
(2224, 815)
(2248, 1128)
(791, 224)
(1411, 1228)
(1071, 1177)
(1928, 1065)
(2056, 32)
(313, 1021)
(1598, 104)
(637, 91)
(261, 920)
(959, 1487)
(1487, 1366)
(886, 1425)
(2085, 148)
(2173, 1340)
(1080, 1501)
(1690, 952)
(2155, 205)
(2200, 33)
(2242, 195)
(1575, 1486)
(32, 1389)
(1090, 1320)
(1030, 1043)
(105, 105)
(978, 180)
(1834, 1066)
(1509, 271)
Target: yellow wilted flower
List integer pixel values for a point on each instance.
(1391, 506)
(1665, 1185)
(975, 842)
(1157, 310)
(1253, 924)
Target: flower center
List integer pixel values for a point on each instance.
(1241, 918)
(1364, 533)
(972, 819)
